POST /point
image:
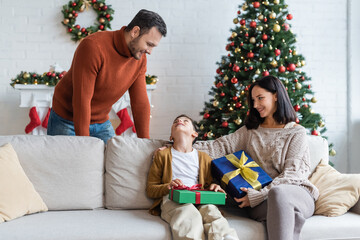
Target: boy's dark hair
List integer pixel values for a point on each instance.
(145, 20)
(192, 122)
(284, 113)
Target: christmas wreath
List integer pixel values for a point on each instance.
(71, 10)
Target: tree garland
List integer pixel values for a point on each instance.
(71, 10)
(50, 78)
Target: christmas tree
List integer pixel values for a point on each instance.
(261, 44)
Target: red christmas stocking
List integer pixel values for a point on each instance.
(34, 120)
(46, 119)
(126, 121)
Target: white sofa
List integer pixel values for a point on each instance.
(94, 192)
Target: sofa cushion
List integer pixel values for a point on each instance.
(338, 192)
(319, 150)
(127, 163)
(67, 171)
(99, 224)
(17, 194)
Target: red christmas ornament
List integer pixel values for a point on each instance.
(206, 115)
(291, 67)
(253, 24)
(250, 55)
(104, 8)
(48, 74)
(61, 75)
(241, 44)
(205, 136)
(238, 12)
(281, 69)
(286, 26)
(305, 105)
(277, 52)
(289, 16)
(93, 1)
(261, 45)
(222, 94)
(53, 74)
(265, 73)
(225, 124)
(302, 78)
(256, 4)
(251, 68)
(74, 4)
(265, 19)
(314, 132)
(242, 21)
(234, 80)
(70, 30)
(219, 85)
(264, 37)
(34, 75)
(295, 80)
(234, 98)
(232, 44)
(246, 34)
(218, 70)
(83, 30)
(236, 68)
(309, 86)
(77, 26)
(107, 15)
(296, 108)
(238, 105)
(101, 27)
(304, 99)
(297, 120)
(76, 14)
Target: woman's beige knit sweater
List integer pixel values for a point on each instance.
(283, 153)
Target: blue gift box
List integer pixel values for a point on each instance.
(238, 170)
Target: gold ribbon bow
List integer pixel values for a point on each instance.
(243, 169)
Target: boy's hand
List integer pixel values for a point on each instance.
(159, 149)
(244, 201)
(175, 183)
(216, 188)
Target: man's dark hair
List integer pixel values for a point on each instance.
(192, 122)
(145, 20)
(284, 113)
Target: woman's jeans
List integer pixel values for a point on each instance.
(60, 126)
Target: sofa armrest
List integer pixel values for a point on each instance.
(356, 208)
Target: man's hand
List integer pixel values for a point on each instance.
(175, 183)
(216, 188)
(244, 201)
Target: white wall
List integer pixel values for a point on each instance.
(32, 38)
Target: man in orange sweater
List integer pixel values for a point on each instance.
(106, 65)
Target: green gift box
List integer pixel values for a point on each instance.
(197, 197)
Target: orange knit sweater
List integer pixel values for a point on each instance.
(101, 72)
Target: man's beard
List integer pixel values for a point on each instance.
(133, 49)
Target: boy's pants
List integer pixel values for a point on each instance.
(188, 222)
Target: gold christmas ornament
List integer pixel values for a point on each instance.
(311, 111)
(26, 75)
(274, 63)
(260, 28)
(70, 15)
(276, 2)
(276, 28)
(236, 21)
(299, 64)
(303, 62)
(266, 3)
(231, 109)
(272, 15)
(321, 124)
(238, 121)
(210, 134)
(101, 20)
(270, 48)
(298, 86)
(234, 34)
(294, 53)
(252, 40)
(101, 4)
(272, 38)
(261, 17)
(286, 81)
(237, 50)
(202, 127)
(244, 6)
(79, 33)
(242, 92)
(313, 100)
(226, 78)
(332, 152)
(215, 103)
(66, 21)
(257, 71)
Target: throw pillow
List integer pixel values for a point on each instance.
(17, 194)
(338, 192)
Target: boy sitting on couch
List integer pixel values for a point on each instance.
(181, 165)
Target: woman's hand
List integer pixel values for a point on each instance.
(175, 183)
(216, 188)
(244, 201)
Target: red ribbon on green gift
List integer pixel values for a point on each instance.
(193, 188)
